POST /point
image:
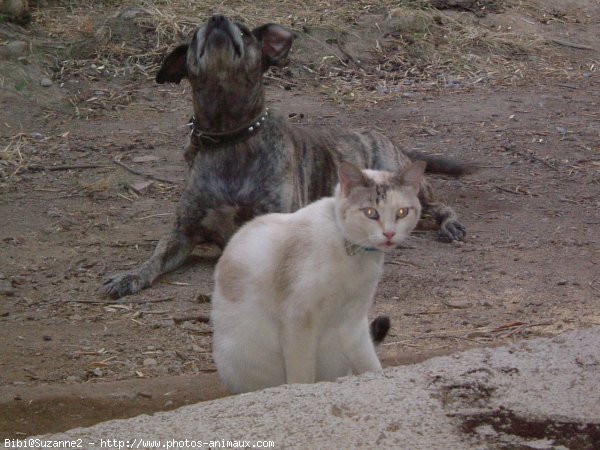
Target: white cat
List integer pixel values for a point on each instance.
(292, 291)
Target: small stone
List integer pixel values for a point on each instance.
(145, 158)
(457, 243)
(150, 362)
(197, 348)
(46, 82)
(485, 431)
(167, 323)
(140, 187)
(98, 372)
(14, 49)
(47, 337)
(74, 379)
(457, 303)
(18, 280)
(6, 288)
(150, 347)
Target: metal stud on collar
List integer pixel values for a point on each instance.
(218, 138)
(261, 120)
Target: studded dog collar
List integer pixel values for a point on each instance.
(209, 139)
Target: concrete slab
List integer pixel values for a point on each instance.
(542, 394)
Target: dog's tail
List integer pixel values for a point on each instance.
(379, 329)
(441, 165)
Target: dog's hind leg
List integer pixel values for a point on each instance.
(450, 228)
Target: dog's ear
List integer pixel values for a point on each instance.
(174, 67)
(276, 43)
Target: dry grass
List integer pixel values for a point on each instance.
(108, 39)
(12, 158)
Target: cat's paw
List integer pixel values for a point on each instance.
(124, 284)
(452, 231)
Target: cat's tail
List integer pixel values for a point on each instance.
(441, 165)
(379, 329)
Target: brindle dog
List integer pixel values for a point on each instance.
(243, 159)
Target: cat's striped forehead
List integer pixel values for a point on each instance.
(381, 191)
(378, 191)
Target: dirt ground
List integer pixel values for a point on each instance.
(70, 215)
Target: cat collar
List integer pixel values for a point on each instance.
(352, 249)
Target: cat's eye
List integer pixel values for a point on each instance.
(402, 212)
(371, 213)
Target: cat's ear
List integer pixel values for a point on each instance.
(350, 177)
(412, 175)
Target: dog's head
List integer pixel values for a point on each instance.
(221, 49)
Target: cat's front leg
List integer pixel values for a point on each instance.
(300, 351)
(361, 351)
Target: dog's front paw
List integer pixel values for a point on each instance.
(124, 284)
(452, 230)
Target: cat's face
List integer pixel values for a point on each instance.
(378, 209)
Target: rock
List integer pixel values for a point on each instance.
(408, 21)
(140, 187)
(46, 82)
(47, 337)
(457, 303)
(6, 288)
(150, 362)
(14, 49)
(16, 10)
(18, 280)
(97, 372)
(561, 130)
(74, 379)
(145, 158)
(167, 323)
(131, 13)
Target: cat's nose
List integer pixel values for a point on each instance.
(389, 234)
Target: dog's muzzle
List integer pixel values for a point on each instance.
(219, 33)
